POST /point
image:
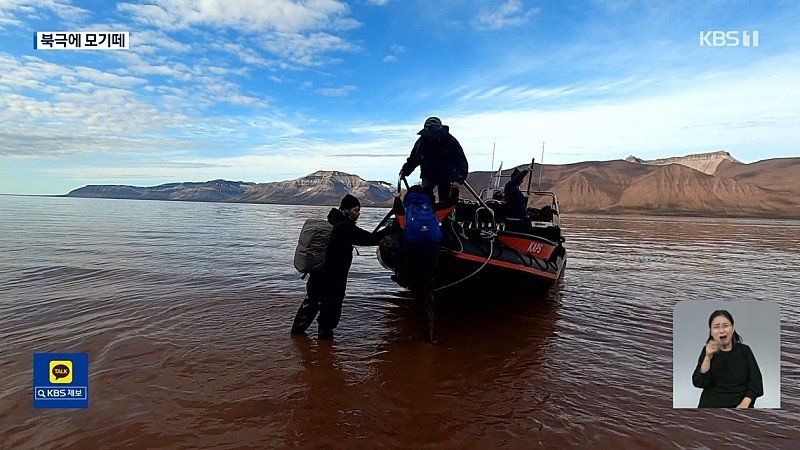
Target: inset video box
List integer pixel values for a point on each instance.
(82, 40)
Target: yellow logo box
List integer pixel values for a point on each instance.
(60, 372)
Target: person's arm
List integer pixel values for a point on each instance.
(755, 386)
(460, 160)
(413, 160)
(363, 237)
(701, 378)
(520, 176)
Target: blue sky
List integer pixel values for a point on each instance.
(272, 90)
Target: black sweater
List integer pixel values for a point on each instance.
(441, 159)
(733, 376)
(339, 254)
(516, 203)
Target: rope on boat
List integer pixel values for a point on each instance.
(489, 235)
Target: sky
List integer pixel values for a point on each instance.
(276, 89)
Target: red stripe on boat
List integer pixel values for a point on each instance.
(444, 212)
(508, 265)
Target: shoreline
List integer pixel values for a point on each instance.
(645, 213)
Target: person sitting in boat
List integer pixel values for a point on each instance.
(517, 204)
(440, 158)
(326, 288)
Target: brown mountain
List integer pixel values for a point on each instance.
(769, 188)
(680, 190)
(319, 188)
(780, 173)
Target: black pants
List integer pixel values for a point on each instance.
(320, 297)
(444, 189)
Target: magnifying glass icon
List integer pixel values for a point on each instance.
(40, 393)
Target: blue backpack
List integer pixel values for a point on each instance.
(422, 225)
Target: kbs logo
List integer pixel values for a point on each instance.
(534, 247)
(729, 38)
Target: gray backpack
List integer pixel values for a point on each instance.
(311, 246)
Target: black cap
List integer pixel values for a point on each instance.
(349, 201)
(433, 124)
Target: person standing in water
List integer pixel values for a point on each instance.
(727, 371)
(326, 288)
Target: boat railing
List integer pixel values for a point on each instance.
(556, 212)
(483, 207)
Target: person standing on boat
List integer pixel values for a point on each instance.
(727, 371)
(517, 204)
(440, 158)
(326, 288)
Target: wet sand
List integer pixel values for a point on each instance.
(184, 309)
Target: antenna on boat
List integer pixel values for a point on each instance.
(491, 171)
(493, 147)
(530, 177)
(541, 162)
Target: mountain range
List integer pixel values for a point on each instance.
(707, 184)
(319, 188)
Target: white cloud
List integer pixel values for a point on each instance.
(106, 78)
(337, 92)
(509, 13)
(394, 50)
(154, 41)
(304, 49)
(11, 10)
(244, 15)
(83, 109)
(299, 32)
(741, 111)
(247, 55)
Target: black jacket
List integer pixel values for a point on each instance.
(441, 159)
(516, 203)
(733, 376)
(339, 254)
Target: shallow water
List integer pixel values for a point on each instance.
(184, 309)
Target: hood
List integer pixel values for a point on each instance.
(335, 215)
(444, 131)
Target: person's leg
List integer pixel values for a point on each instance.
(428, 185)
(310, 306)
(444, 192)
(330, 311)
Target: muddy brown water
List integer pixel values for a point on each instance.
(184, 310)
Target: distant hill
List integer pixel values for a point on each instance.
(318, 188)
(704, 162)
(768, 188)
(209, 191)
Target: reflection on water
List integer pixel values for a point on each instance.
(184, 309)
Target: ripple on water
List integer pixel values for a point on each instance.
(184, 309)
